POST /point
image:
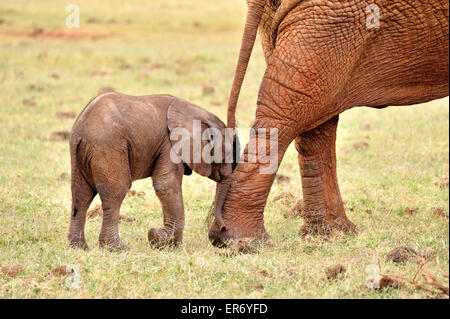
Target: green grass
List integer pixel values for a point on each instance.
(178, 47)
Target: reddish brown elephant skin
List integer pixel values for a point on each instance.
(322, 60)
(118, 139)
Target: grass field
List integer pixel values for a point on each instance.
(188, 48)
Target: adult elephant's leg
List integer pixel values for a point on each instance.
(323, 209)
(282, 106)
(252, 181)
(304, 87)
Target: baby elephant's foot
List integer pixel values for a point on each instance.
(160, 238)
(113, 243)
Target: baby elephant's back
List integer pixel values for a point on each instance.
(114, 115)
(117, 122)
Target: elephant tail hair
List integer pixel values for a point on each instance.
(254, 16)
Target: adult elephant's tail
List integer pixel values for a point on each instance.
(255, 12)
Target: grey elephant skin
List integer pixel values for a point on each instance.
(118, 139)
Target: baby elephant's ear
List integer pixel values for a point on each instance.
(182, 119)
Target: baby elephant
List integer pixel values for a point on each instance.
(118, 139)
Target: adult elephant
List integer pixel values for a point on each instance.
(324, 57)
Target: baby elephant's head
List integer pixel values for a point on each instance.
(205, 145)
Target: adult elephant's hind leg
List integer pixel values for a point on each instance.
(323, 209)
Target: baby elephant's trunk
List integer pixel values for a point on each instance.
(221, 194)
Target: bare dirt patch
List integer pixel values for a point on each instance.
(288, 272)
(60, 136)
(102, 72)
(255, 286)
(65, 114)
(411, 210)
(11, 270)
(143, 75)
(285, 196)
(29, 102)
(296, 210)
(157, 66)
(94, 212)
(359, 146)
(55, 34)
(401, 255)
(335, 272)
(282, 178)
(208, 90)
(61, 271)
(42, 55)
(63, 176)
(443, 183)
(133, 193)
(440, 213)
(106, 89)
(98, 211)
(365, 127)
(244, 246)
(260, 273)
(35, 87)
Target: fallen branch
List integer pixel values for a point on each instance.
(431, 283)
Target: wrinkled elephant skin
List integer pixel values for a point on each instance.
(118, 139)
(325, 57)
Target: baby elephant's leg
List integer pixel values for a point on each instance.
(167, 178)
(112, 180)
(82, 196)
